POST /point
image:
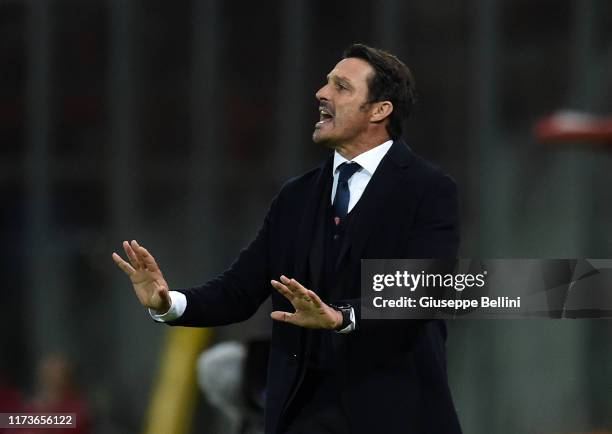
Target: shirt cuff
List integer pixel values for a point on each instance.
(177, 308)
(349, 328)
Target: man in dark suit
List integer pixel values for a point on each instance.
(329, 371)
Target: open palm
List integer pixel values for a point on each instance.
(310, 311)
(146, 277)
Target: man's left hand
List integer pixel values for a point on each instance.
(310, 311)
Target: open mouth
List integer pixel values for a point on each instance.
(324, 116)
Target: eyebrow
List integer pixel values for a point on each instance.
(340, 79)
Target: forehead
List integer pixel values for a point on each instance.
(357, 71)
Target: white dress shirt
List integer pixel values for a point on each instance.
(369, 162)
(357, 183)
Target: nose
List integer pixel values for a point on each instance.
(322, 94)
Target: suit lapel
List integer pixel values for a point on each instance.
(376, 194)
(310, 245)
(317, 250)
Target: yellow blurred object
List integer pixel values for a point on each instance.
(175, 390)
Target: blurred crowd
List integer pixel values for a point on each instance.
(55, 390)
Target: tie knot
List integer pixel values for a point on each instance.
(347, 170)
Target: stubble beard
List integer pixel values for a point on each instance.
(327, 142)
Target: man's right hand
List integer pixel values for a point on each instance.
(147, 279)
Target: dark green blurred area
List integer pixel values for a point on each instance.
(127, 119)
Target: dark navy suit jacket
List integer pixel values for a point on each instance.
(393, 372)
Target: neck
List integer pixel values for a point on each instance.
(353, 149)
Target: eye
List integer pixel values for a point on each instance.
(340, 86)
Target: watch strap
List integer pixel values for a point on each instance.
(345, 310)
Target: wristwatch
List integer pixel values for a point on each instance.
(345, 310)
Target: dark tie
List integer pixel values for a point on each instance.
(341, 200)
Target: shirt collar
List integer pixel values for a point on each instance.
(369, 160)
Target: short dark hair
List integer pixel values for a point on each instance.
(392, 81)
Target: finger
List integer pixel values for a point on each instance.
(131, 255)
(142, 253)
(299, 291)
(147, 259)
(136, 248)
(284, 317)
(294, 286)
(283, 290)
(298, 286)
(127, 268)
(315, 298)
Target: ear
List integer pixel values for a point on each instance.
(381, 111)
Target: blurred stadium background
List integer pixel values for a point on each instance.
(176, 122)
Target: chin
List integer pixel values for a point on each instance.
(316, 136)
(322, 139)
